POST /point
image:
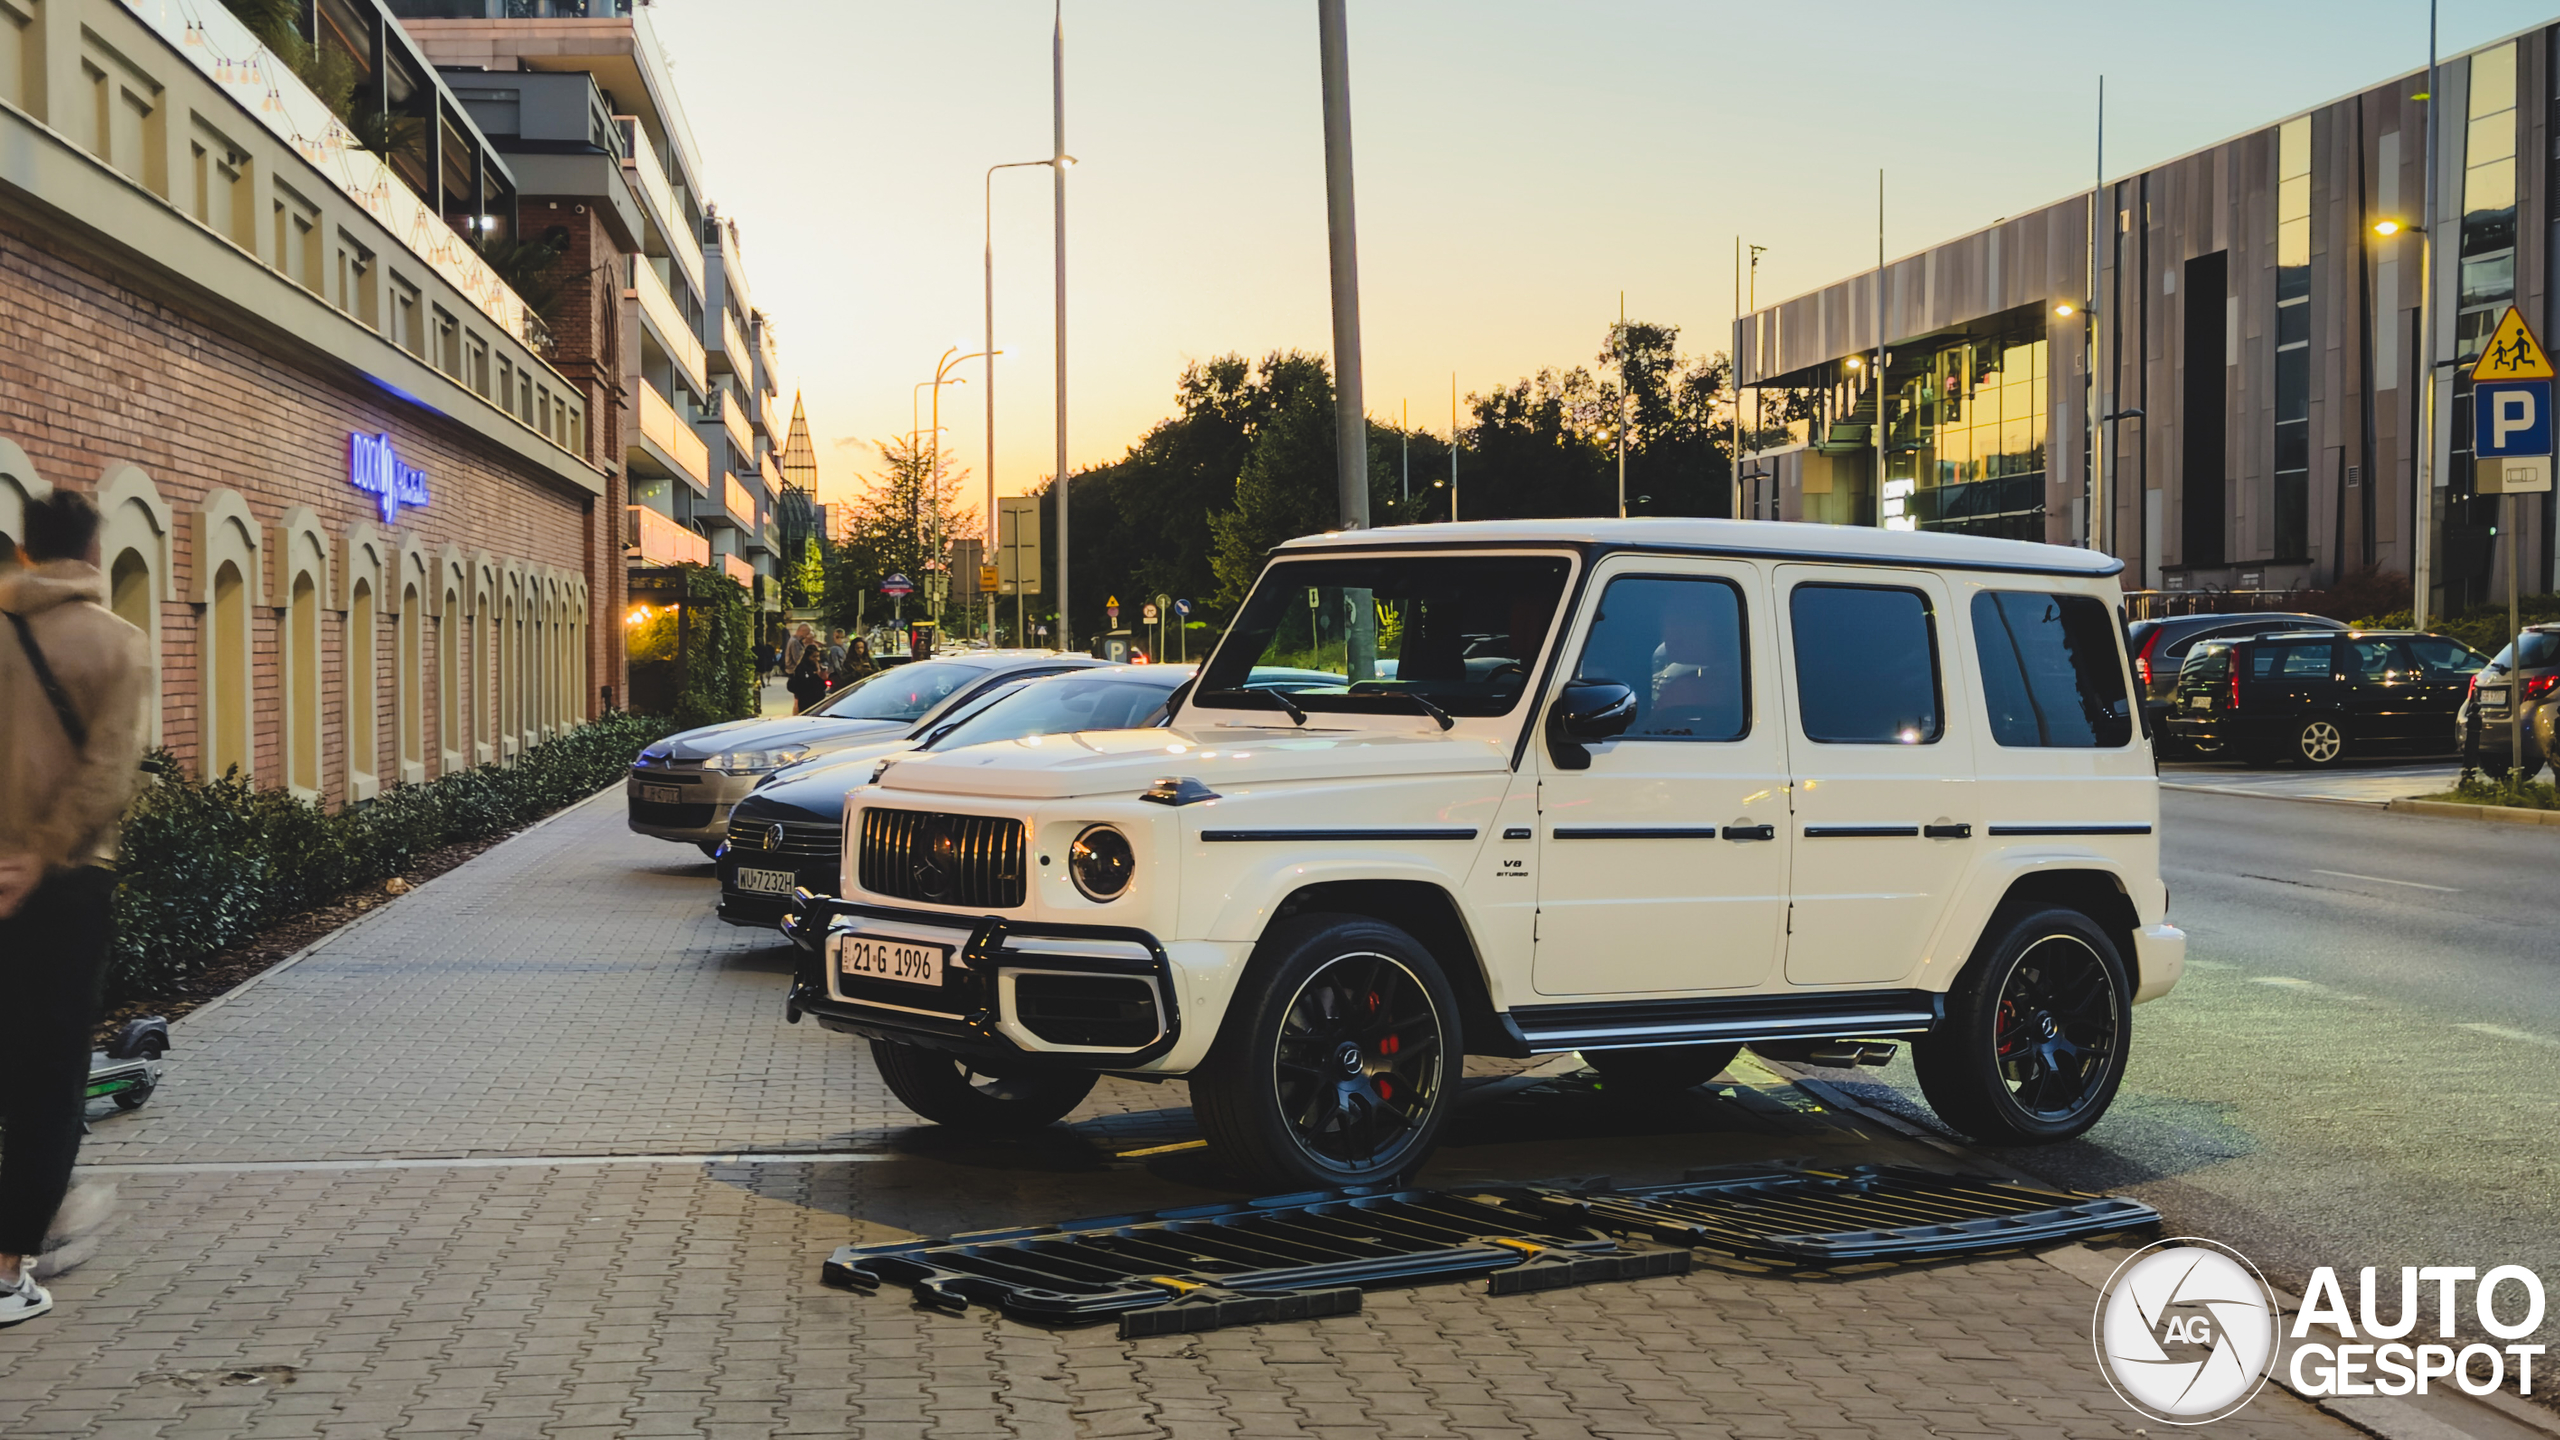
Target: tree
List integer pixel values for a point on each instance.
(901, 524)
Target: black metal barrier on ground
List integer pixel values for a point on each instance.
(1296, 1257)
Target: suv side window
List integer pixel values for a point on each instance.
(1678, 644)
(2438, 653)
(2377, 662)
(1866, 665)
(2050, 674)
(2294, 660)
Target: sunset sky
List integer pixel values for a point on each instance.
(1518, 166)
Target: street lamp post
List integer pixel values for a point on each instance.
(991, 352)
(2422, 526)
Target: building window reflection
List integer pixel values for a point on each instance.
(1966, 450)
(2292, 490)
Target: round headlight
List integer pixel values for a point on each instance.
(1101, 863)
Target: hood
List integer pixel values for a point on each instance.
(1104, 762)
(775, 733)
(34, 589)
(834, 772)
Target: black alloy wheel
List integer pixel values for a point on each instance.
(954, 1092)
(1341, 1069)
(2036, 1034)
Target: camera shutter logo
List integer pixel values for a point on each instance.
(2186, 1331)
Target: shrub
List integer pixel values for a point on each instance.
(209, 863)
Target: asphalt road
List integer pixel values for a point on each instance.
(2362, 1066)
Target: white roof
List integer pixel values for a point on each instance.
(1764, 537)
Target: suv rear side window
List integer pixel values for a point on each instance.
(1866, 665)
(2438, 653)
(2050, 674)
(2378, 662)
(2290, 660)
(1678, 644)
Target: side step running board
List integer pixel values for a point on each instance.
(1855, 1014)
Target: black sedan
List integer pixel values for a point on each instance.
(790, 830)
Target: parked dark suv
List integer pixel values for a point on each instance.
(2509, 680)
(2316, 697)
(2160, 647)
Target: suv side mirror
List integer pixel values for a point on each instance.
(1586, 711)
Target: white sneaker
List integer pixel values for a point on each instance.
(25, 1300)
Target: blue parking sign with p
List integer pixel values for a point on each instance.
(2511, 419)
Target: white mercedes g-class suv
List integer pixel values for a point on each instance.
(1650, 790)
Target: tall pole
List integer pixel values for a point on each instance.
(994, 540)
(1404, 433)
(1350, 421)
(1453, 445)
(1620, 346)
(2422, 521)
(1058, 182)
(1733, 503)
(2096, 399)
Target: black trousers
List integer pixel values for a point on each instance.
(53, 968)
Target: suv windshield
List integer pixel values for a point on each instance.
(901, 692)
(1458, 631)
(1063, 706)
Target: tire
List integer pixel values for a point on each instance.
(1339, 1062)
(133, 1099)
(1659, 1069)
(2053, 1081)
(2319, 742)
(946, 1090)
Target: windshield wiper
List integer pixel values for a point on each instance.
(1425, 706)
(1254, 700)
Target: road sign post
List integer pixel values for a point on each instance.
(2511, 447)
(1018, 554)
(1182, 627)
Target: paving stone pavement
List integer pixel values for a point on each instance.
(400, 1188)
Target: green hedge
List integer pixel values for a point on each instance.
(207, 864)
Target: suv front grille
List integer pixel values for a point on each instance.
(966, 860)
(802, 840)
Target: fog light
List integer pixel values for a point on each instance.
(1101, 863)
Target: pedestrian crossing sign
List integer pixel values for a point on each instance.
(2513, 353)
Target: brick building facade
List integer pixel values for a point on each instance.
(203, 304)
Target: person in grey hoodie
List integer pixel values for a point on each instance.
(73, 679)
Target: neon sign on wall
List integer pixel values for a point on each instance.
(374, 468)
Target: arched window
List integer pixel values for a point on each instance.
(449, 674)
(510, 679)
(302, 688)
(364, 748)
(133, 538)
(226, 665)
(411, 682)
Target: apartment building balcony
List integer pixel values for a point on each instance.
(733, 423)
(650, 538)
(764, 539)
(727, 347)
(663, 444)
(641, 164)
(740, 503)
(665, 319)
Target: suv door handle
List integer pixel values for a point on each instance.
(1946, 832)
(1751, 832)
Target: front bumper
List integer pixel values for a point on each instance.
(700, 816)
(1089, 997)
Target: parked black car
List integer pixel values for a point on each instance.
(2524, 673)
(790, 831)
(2316, 697)
(2160, 647)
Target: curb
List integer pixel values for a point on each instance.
(2493, 814)
(298, 956)
(2239, 793)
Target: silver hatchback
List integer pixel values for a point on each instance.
(682, 788)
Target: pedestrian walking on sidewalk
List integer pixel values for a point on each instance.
(808, 684)
(73, 678)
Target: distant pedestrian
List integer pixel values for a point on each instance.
(836, 656)
(857, 659)
(73, 678)
(808, 682)
(801, 639)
